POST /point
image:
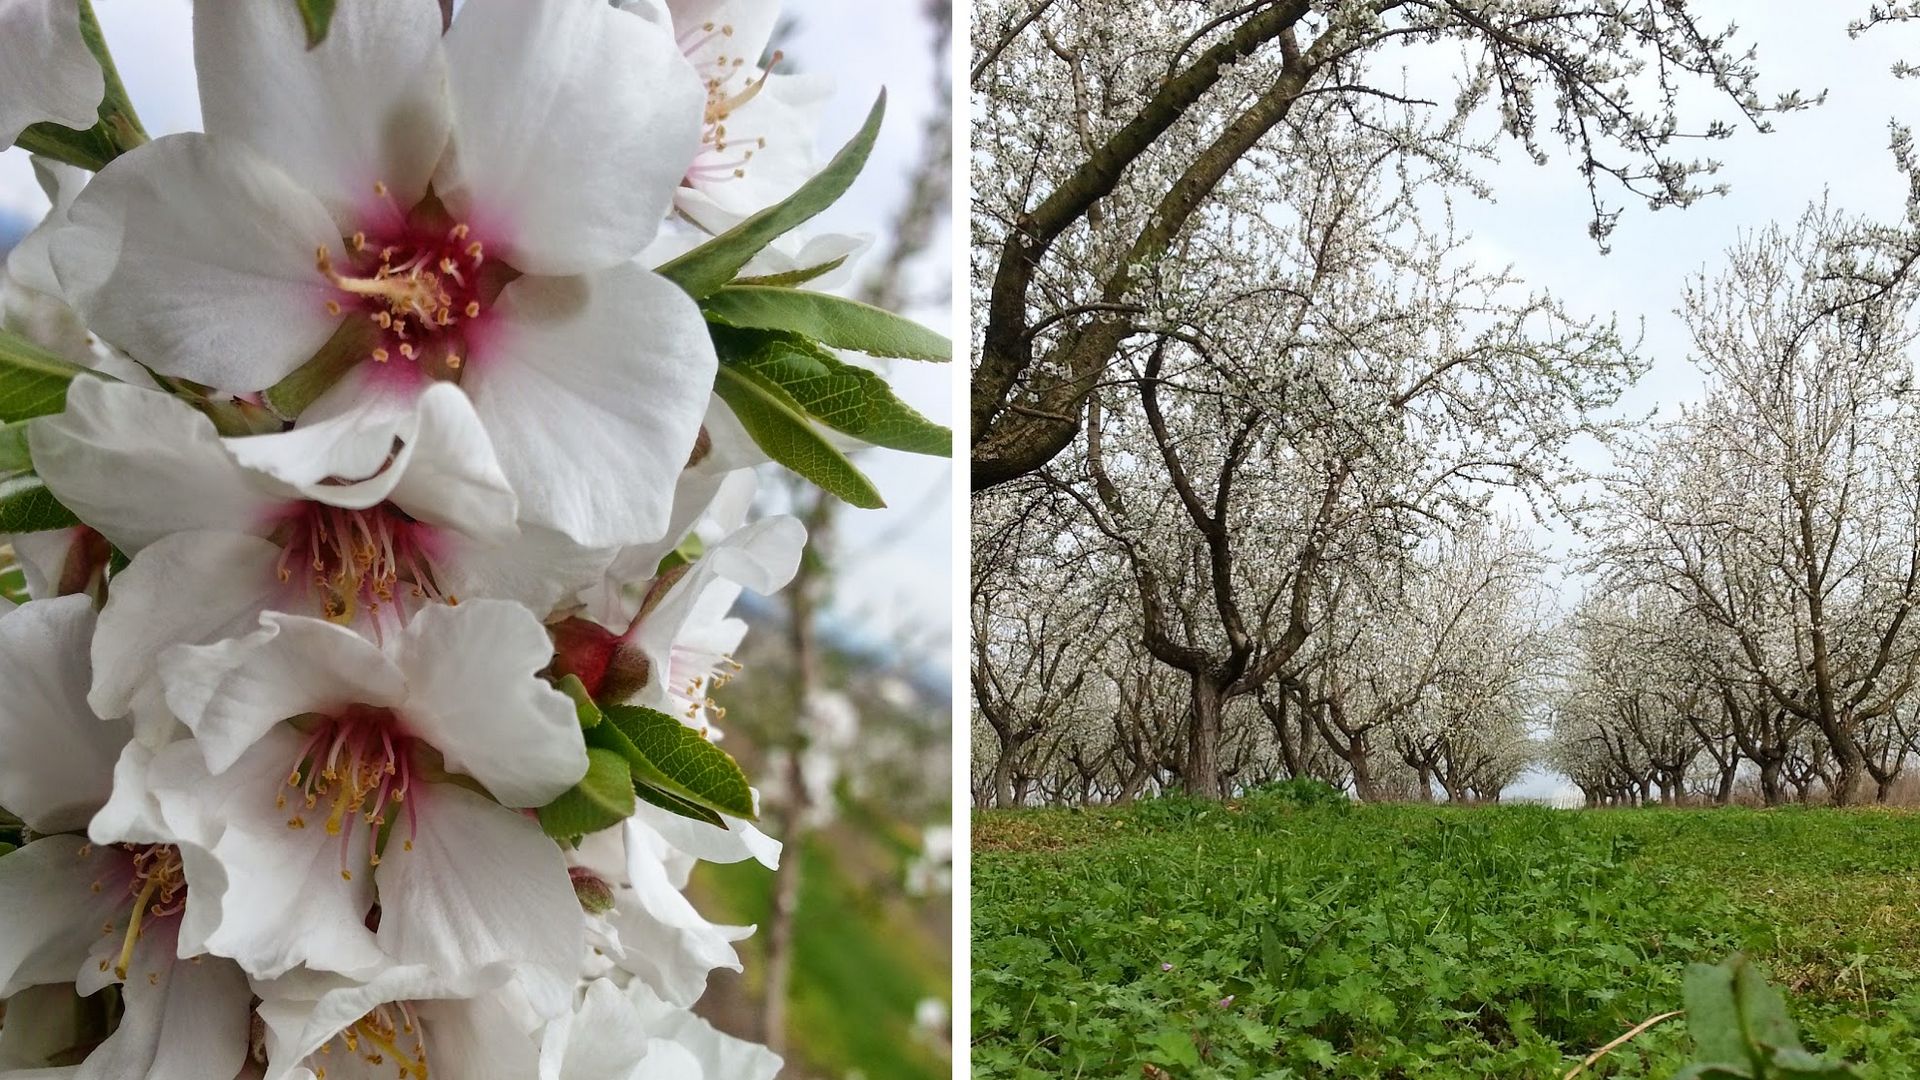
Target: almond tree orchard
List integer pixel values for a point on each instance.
(1268, 454)
(379, 481)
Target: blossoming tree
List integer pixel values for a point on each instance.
(380, 461)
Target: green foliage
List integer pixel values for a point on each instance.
(583, 705)
(862, 959)
(1299, 791)
(118, 129)
(602, 799)
(830, 320)
(702, 271)
(673, 759)
(318, 16)
(1742, 1031)
(846, 398)
(780, 426)
(27, 506)
(349, 346)
(1282, 935)
(33, 381)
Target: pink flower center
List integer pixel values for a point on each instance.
(358, 561)
(418, 281)
(358, 767)
(389, 1035)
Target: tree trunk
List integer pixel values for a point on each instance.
(1202, 771)
(1360, 761)
(1723, 794)
(1849, 767)
(1770, 790)
(1003, 779)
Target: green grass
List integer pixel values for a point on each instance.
(860, 967)
(1271, 939)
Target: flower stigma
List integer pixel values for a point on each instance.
(359, 767)
(158, 888)
(419, 283)
(389, 1035)
(718, 73)
(358, 561)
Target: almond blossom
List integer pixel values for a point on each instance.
(360, 519)
(324, 768)
(400, 195)
(96, 915)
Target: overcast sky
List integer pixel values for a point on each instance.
(1837, 151)
(898, 562)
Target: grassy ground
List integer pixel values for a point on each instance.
(864, 958)
(1271, 939)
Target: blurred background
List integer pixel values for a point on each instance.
(843, 713)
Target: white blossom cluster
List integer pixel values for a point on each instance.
(283, 714)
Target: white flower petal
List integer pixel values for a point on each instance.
(274, 895)
(762, 556)
(453, 479)
(473, 693)
(190, 588)
(615, 599)
(132, 815)
(303, 1011)
(719, 1054)
(603, 1039)
(50, 914)
(183, 1020)
(669, 944)
(42, 558)
(477, 1039)
(539, 569)
(30, 262)
(480, 886)
(196, 256)
(56, 756)
(738, 842)
(367, 104)
(47, 73)
(232, 692)
(593, 396)
(581, 91)
(778, 127)
(139, 465)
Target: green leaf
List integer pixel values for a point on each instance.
(686, 554)
(33, 381)
(675, 759)
(583, 705)
(779, 425)
(602, 799)
(1741, 1028)
(350, 344)
(317, 15)
(27, 506)
(716, 262)
(6, 849)
(795, 277)
(15, 456)
(831, 320)
(1713, 1018)
(118, 128)
(678, 806)
(842, 396)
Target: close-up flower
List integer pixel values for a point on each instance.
(421, 421)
